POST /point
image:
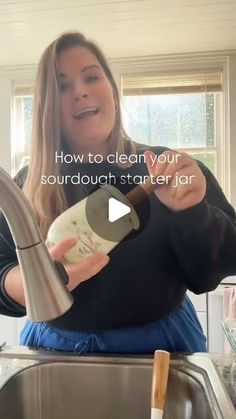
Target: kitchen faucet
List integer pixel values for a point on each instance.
(46, 294)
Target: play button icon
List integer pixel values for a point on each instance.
(110, 214)
(117, 210)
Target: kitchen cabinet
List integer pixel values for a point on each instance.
(216, 336)
(200, 304)
(10, 328)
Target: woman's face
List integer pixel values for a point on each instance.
(87, 101)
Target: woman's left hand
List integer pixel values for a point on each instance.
(185, 183)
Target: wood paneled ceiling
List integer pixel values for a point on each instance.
(124, 28)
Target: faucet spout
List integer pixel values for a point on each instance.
(45, 293)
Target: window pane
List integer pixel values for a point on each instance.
(27, 110)
(173, 120)
(22, 131)
(209, 159)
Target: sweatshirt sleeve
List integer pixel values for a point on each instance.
(204, 238)
(8, 259)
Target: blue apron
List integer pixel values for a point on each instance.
(179, 332)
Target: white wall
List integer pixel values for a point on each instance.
(232, 126)
(5, 122)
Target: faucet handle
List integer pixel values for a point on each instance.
(2, 345)
(63, 275)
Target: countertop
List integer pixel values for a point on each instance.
(231, 280)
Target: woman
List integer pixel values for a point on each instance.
(137, 302)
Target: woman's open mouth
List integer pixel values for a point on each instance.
(86, 113)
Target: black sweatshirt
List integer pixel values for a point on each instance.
(150, 270)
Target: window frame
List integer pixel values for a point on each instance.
(188, 62)
(196, 150)
(20, 90)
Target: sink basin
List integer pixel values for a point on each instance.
(44, 385)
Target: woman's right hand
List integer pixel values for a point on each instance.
(81, 271)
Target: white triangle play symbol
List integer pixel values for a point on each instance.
(116, 210)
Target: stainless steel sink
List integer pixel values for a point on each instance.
(48, 385)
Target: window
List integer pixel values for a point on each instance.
(178, 110)
(22, 127)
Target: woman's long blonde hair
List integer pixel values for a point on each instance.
(48, 201)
